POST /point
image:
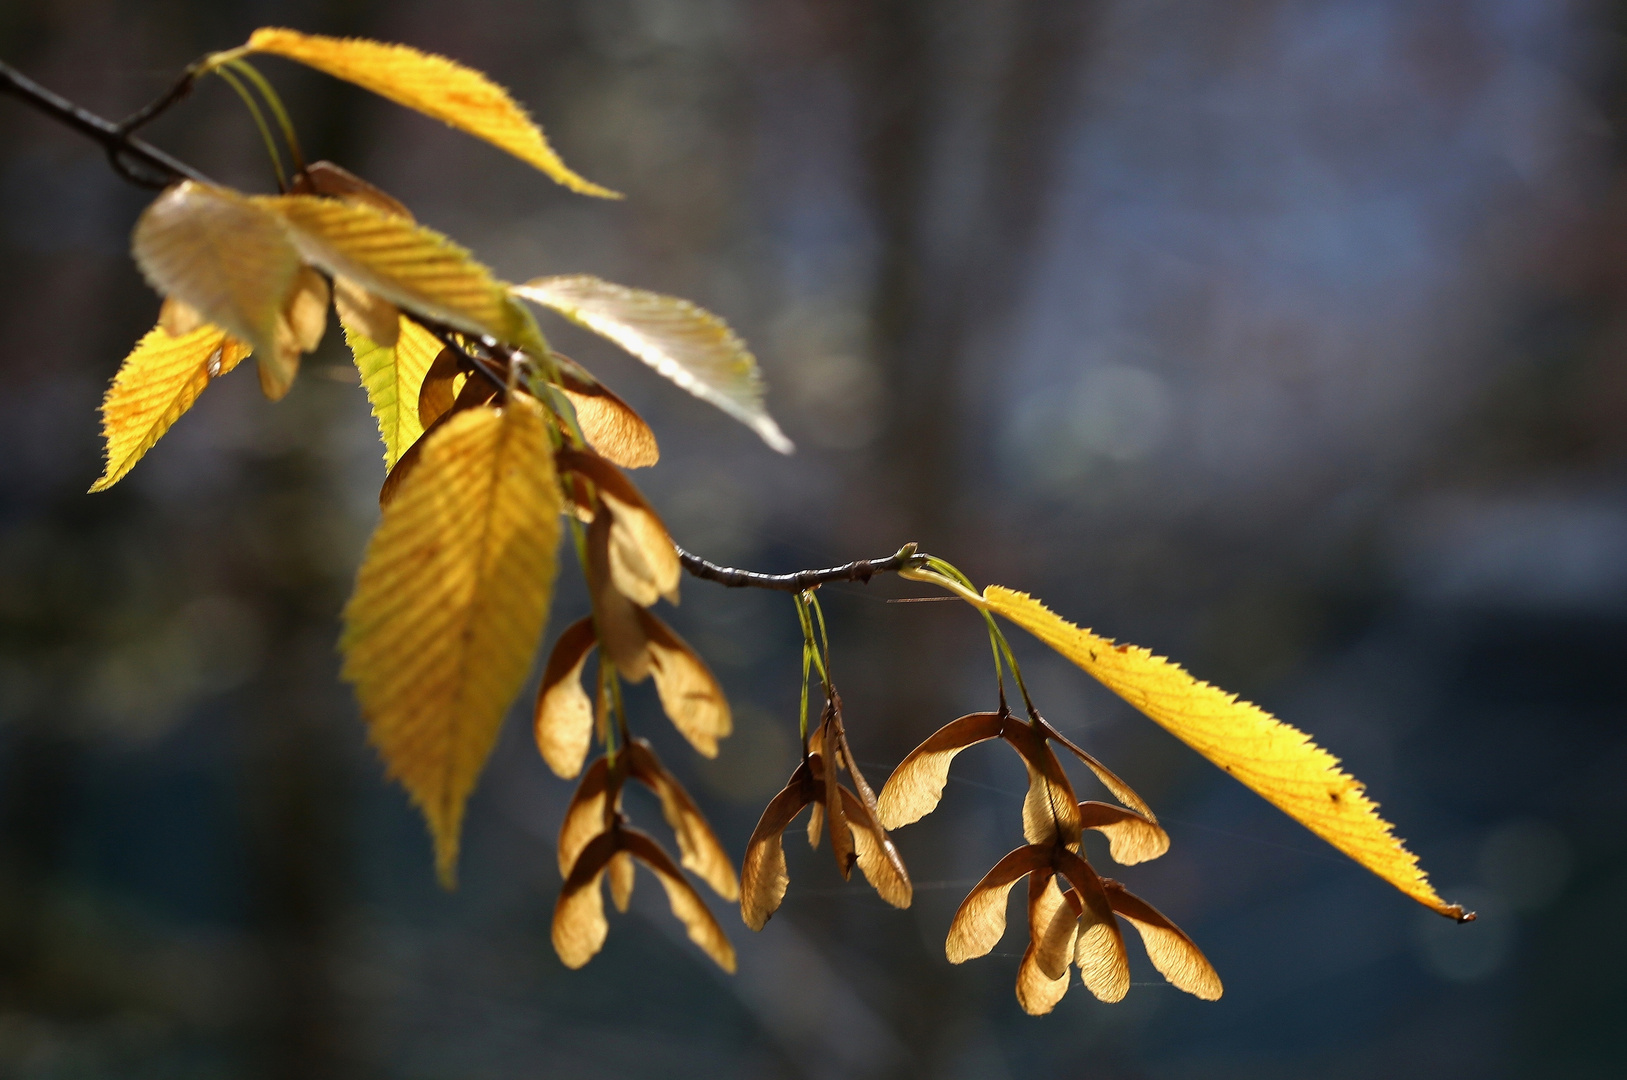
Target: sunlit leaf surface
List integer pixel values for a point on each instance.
(392, 374)
(450, 602)
(433, 85)
(411, 266)
(1277, 761)
(223, 254)
(157, 382)
(685, 343)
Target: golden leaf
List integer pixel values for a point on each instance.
(178, 319)
(685, 343)
(916, 785)
(687, 905)
(689, 693)
(392, 375)
(411, 266)
(1098, 949)
(1131, 838)
(1174, 954)
(222, 254)
(473, 395)
(563, 718)
(433, 85)
(1277, 761)
(579, 926)
(450, 602)
(366, 314)
(698, 846)
(586, 815)
(643, 562)
(157, 382)
(980, 921)
(763, 879)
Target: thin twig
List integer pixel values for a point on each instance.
(122, 148)
(161, 104)
(861, 571)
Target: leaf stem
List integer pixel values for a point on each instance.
(259, 122)
(274, 102)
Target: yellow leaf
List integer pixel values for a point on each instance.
(159, 381)
(685, 343)
(222, 254)
(450, 603)
(407, 264)
(433, 85)
(370, 316)
(1277, 761)
(392, 376)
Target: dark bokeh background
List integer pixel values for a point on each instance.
(1285, 337)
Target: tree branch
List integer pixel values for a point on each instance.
(860, 571)
(122, 148)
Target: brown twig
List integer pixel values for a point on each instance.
(860, 571)
(122, 147)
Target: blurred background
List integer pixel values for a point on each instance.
(1283, 337)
